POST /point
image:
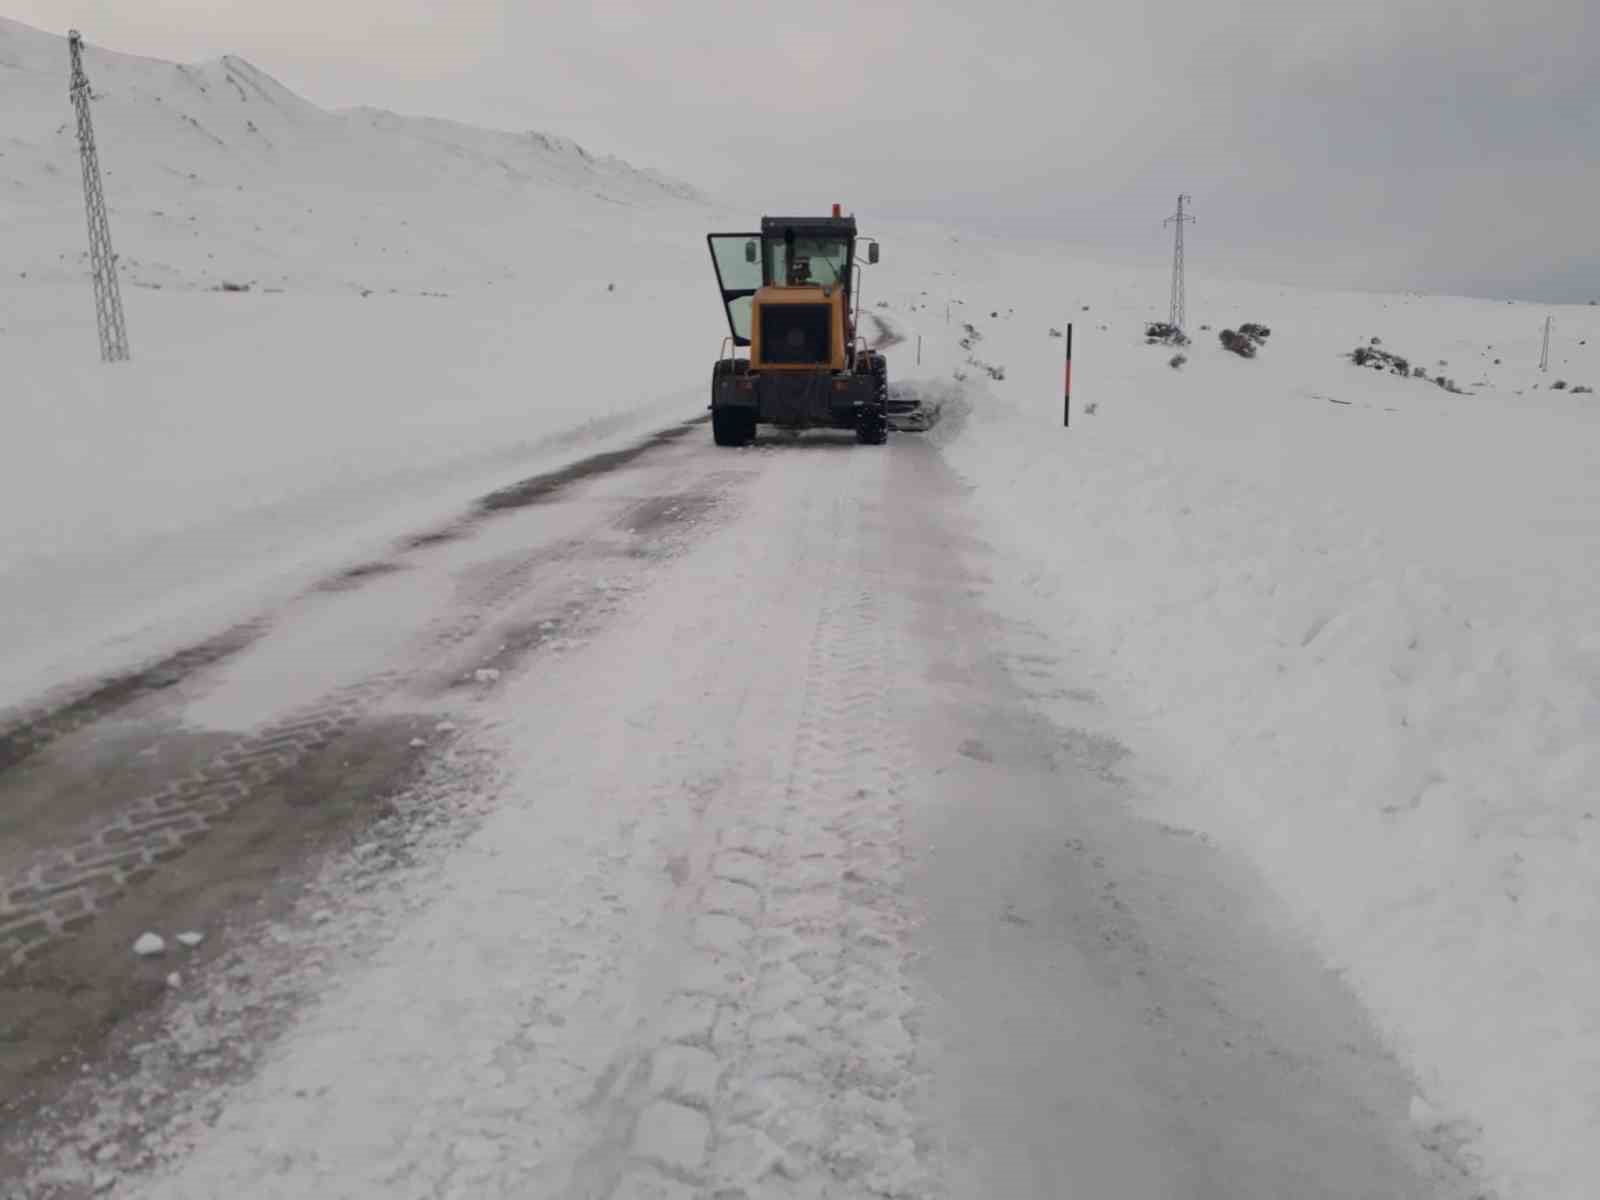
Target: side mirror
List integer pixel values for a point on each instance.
(749, 252)
(872, 252)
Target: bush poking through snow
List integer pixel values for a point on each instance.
(1237, 342)
(1246, 340)
(1177, 360)
(1559, 385)
(1054, 332)
(1582, 389)
(1381, 360)
(1159, 333)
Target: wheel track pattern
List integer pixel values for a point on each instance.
(488, 591)
(786, 1066)
(30, 732)
(61, 891)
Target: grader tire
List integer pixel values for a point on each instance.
(872, 423)
(730, 426)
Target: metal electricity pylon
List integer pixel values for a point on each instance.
(1179, 301)
(102, 259)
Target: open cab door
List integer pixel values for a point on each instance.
(737, 259)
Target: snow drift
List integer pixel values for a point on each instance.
(1349, 621)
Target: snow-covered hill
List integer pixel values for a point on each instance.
(427, 303)
(217, 171)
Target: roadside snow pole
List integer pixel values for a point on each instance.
(1544, 355)
(103, 261)
(919, 349)
(1066, 387)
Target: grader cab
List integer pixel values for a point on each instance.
(792, 294)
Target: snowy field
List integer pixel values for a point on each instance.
(430, 308)
(1351, 623)
(1347, 623)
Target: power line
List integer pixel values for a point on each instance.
(102, 260)
(1179, 300)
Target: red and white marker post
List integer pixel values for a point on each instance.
(1066, 388)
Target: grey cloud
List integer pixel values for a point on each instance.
(1440, 144)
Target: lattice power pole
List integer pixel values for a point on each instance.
(102, 259)
(1179, 300)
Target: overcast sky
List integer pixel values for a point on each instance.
(1446, 145)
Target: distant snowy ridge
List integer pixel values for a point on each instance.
(216, 168)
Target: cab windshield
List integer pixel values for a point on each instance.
(822, 261)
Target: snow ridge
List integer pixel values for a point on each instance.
(221, 151)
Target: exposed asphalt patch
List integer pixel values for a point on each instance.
(436, 537)
(33, 730)
(57, 1011)
(353, 577)
(26, 737)
(50, 798)
(658, 513)
(537, 488)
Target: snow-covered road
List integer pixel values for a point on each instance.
(769, 878)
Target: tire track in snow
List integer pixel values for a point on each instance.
(62, 889)
(786, 1066)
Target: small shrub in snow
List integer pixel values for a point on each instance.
(1256, 333)
(1381, 360)
(1054, 332)
(1559, 385)
(1376, 342)
(1237, 342)
(1582, 389)
(1158, 333)
(1177, 360)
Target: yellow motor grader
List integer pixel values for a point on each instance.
(793, 298)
